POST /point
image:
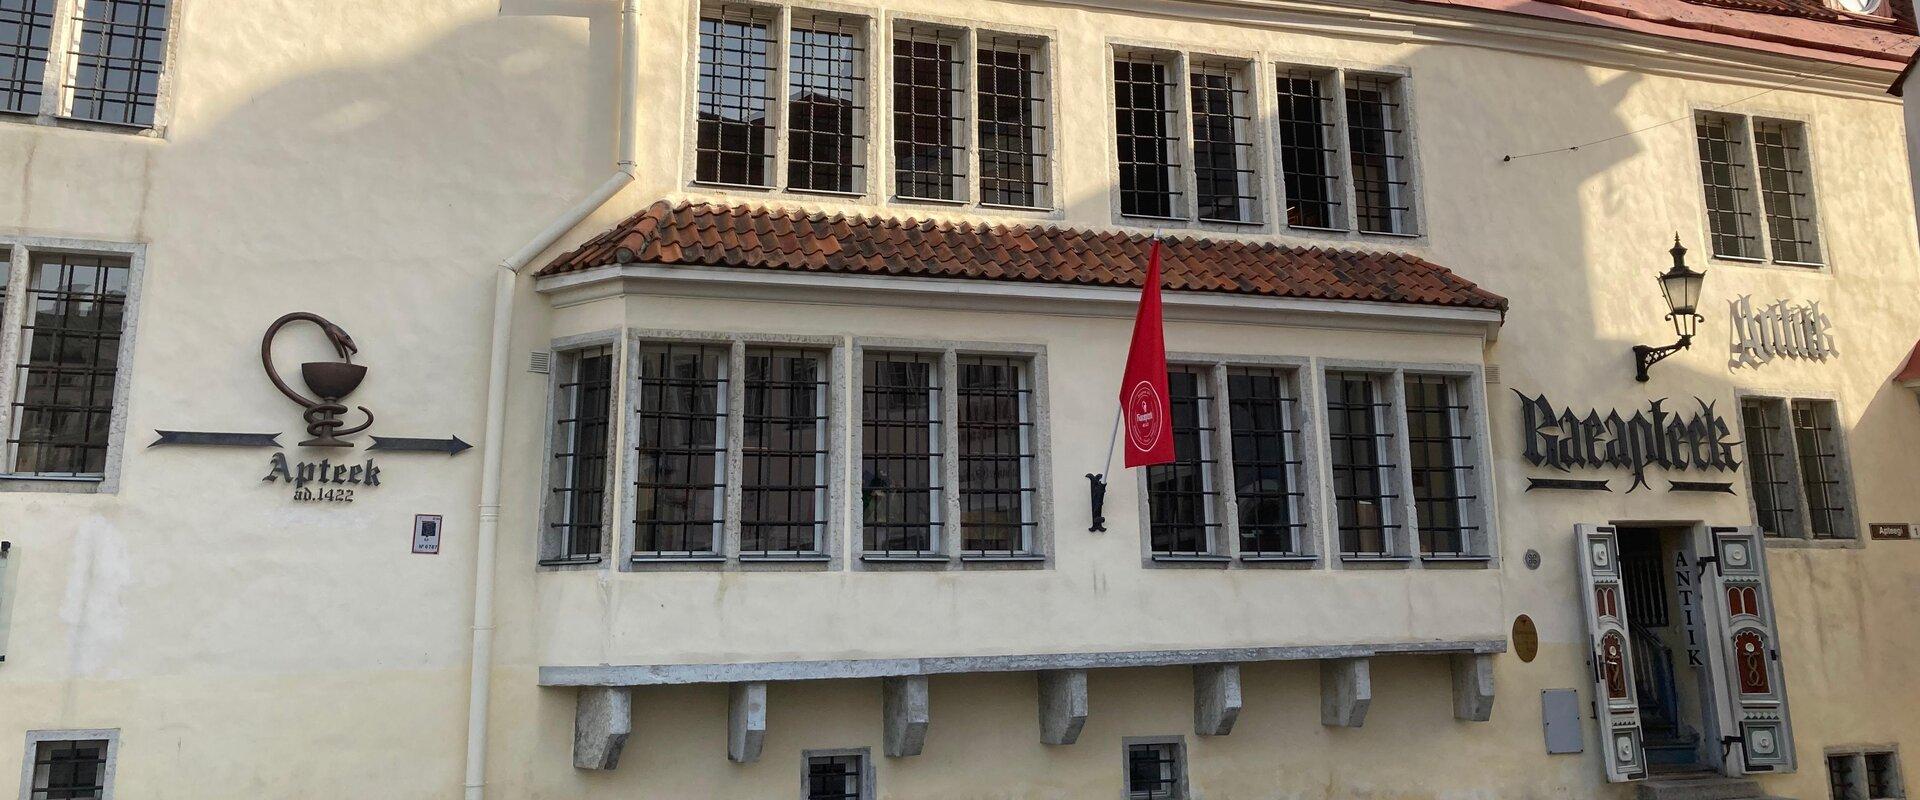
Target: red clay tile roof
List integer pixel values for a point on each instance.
(712, 235)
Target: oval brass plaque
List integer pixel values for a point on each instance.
(1526, 639)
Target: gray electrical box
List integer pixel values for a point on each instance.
(1560, 720)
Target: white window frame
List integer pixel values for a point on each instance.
(1319, 540)
(564, 365)
(727, 555)
(21, 250)
(950, 553)
(1789, 445)
(56, 102)
(1742, 121)
(1335, 76)
(37, 737)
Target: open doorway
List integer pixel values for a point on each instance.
(1665, 634)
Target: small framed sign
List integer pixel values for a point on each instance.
(1890, 530)
(426, 533)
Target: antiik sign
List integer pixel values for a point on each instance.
(1655, 437)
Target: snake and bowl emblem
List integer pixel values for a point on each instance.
(331, 381)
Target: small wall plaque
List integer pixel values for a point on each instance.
(1526, 639)
(1560, 718)
(426, 534)
(1890, 530)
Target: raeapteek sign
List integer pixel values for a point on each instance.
(1564, 440)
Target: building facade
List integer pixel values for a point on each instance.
(699, 399)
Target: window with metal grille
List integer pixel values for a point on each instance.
(26, 35)
(1360, 437)
(1770, 470)
(1264, 415)
(1727, 179)
(1309, 155)
(69, 769)
(929, 113)
(1786, 190)
(1870, 775)
(582, 432)
(1821, 471)
(680, 434)
(837, 776)
(1156, 771)
(1224, 181)
(119, 49)
(1181, 494)
(734, 140)
(996, 456)
(1440, 466)
(783, 452)
(1883, 776)
(63, 397)
(1147, 135)
(901, 462)
(1015, 138)
(826, 104)
(1376, 128)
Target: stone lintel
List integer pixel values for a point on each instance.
(1063, 705)
(1346, 689)
(1472, 686)
(746, 721)
(905, 702)
(602, 720)
(1216, 698)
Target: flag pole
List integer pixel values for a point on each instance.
(1097, 482)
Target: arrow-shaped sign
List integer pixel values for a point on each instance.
(398, 444)
(216, 439)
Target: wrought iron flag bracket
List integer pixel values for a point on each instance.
(331, 380)
(1097, 484)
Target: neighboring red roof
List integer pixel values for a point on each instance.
(1910, 372)
(1798, 28)
(752, 237)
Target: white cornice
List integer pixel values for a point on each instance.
(1398, 22)
(1005, 296)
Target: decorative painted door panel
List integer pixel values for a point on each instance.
(1614, 705)
(1755, 692)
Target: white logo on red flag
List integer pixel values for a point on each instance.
(1144, 410)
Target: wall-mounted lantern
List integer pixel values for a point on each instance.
(1681, 288)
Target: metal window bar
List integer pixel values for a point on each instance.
(1820, 469)
(1015, 140)
(1769, 468)
(1309, 152)
(69, 770)
(26, 36)
(901, 462)
(581, 434)
(1225, 186)
(929, 113)
(783, 452)
(1883, 776)
(1181, 494)
(1780, 157)
(69, 359)
(835, 778)
(996, 456)
(1375, 128)
(1362, 474)
(680, 433)
(1153, 771)
(1842, 780)
(118, 53)
(1727, 182)
(1438, 439)
(826, 104)
(1265, 416)
(734, 140)
(1147, 136)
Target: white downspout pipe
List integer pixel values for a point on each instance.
(492, 452)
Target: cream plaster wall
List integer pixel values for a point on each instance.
(371, 164)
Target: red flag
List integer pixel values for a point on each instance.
(1144, 410)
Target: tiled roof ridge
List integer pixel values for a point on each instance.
(716, 234)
